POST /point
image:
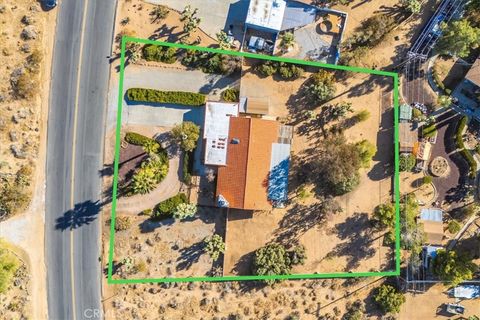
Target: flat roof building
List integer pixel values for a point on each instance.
(215, 131)
(266, 15)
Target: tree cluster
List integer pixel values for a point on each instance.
(453, 267)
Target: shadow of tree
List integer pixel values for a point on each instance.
(298, 220)
(149, 225)
(358, 232)
(82, 214)
(189, 256)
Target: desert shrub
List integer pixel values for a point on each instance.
(122, 223)
(186, 134)
(322, 86)
(166, 208)
(230, 95)
(9, 264)
(267, 69)
(14, 197)
(272, 259)
(25, 86)
(23, 176)
(214, 246)
(298, 255)
(337, 164)
(407, 162)
(384, 215)
(303, 193)
(388, 299)
(158, 96)
(137, 139)
(366, 150)
(374, 29)
(454, 226)
(354, 57)
(34, 60)
(219, 63)
(185, 210)
(163, 54)
(427, 179)
(290, 71)
(146, 212)
(158, 13)
(354, 311)
(140, 266)
(361, 116)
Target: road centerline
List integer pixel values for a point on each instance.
(74, 140)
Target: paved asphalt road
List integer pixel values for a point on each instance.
(78, 94)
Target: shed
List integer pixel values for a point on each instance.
(406, 112)
(432, 220)
(408, 136)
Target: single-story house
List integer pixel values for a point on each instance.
(432, 220)
(255, 176)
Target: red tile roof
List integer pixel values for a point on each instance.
(243, 182)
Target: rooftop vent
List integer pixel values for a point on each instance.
(235, 141)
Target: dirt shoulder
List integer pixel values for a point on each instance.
(26, 230)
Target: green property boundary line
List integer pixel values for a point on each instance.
(395, 79)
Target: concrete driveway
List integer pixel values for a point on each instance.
(216, 16)
(166, 115)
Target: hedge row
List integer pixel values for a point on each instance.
(463, 151)
(158, 96)
(187, 167)
(166, 208)
(137, 139)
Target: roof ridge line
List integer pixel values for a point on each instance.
(250, 124)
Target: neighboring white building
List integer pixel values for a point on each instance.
(215, 131)
(266, 14)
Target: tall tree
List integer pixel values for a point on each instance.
(458, 38)
(453, 267)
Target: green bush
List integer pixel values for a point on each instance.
(122, 223)
(267, 69)
(214, 246)
(9, 264)
(388, 299)
(231, 95)
(273, 259)
(454, 226)
(429, 131)
(212, 62)
(361, 116)
(187, 167)
(153, 52)
(158, 96)
(289, 71)
(427, 179)
(166, 208)
(467, 155)
(407, 162)
(298, 255)
(137, 139)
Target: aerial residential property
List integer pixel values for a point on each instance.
(240, 159)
